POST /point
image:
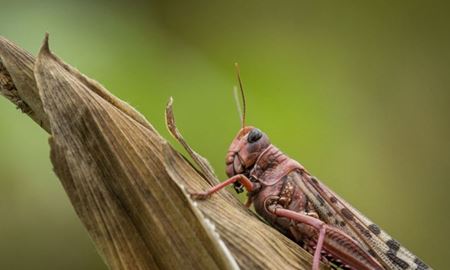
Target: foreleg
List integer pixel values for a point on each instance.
(249, 186)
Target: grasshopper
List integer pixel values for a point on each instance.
(297, 204)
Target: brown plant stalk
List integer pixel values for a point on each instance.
(128, 185)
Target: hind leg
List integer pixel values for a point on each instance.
(305, 219)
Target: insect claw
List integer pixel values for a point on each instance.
(238, 187)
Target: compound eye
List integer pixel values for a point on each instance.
(254, 135)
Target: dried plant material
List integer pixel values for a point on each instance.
(110, 165)
(127, 184)
(17, 81)
(204, 165)
(9, 90)
(98, 89)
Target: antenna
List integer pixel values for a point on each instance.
(236, 100)
(244, 109)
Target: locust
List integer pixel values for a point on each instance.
(301, 207)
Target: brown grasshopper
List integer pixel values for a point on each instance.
(293, 201)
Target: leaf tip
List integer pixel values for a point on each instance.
(45, 48)
(170, 120)
(169, 108)
(170, 102)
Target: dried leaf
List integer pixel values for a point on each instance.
(125, 181)
(17, 81)
(110, 164)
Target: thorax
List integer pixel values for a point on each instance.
(272, 165)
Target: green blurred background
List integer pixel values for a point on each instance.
(358, 93)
